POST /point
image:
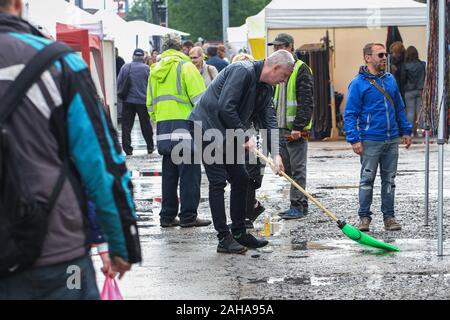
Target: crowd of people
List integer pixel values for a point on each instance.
(188, 91)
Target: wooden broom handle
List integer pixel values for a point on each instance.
(295, 184)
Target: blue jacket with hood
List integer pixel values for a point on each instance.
(369, 115)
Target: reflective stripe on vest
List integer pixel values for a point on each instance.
(175, 136)
(291, 101)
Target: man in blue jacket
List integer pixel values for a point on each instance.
(374, 122)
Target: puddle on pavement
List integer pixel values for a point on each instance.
(302, 280)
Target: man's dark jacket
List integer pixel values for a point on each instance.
(237, 98)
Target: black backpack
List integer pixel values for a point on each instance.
(23, 220)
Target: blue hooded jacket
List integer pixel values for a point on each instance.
(369, 115)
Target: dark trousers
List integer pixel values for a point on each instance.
(237, 176)
(72, 280)
(128, 115)
(189, 178)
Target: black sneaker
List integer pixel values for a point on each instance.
(249, 241)
(174, 223)
(196, 223)
(229, 245)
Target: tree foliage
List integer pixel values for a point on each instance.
(200, 18)
(141, 10)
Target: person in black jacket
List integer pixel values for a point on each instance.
(224, 112)
(412, 79)
(294, 103)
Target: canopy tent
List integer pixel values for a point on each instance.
(153, 29)
(118, 29)
(81, 40)
(351, 24)
(237, 38)
(130, 35)
(46, 13)
(286, 14)
(257, 34)
(143, 32)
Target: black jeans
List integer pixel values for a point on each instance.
(128, 115)
(237, 176)
(189, 176)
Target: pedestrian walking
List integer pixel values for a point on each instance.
(136, 73)
(64, 152)
(209, 73)
(230, 103)
(294, 104)
(413, 79)
(175, 86)
(374, 121)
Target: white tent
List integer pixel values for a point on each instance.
(351, 24)
(237, 38)
(286, 14)
(46, 13)
(118, 29)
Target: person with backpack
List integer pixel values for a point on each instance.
(208, 72)
(374, 122)
(57, 149)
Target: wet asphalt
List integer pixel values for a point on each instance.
(309, 258)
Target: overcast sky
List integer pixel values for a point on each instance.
(100, 4)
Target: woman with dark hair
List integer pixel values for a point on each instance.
(397, 51)
(413, 78)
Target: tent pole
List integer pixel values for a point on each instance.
(334, 134)
(442, 125)
(427, 137)
(225, 20)
(427, 172)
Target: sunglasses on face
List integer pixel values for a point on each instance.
(381, 55)
(192, 58)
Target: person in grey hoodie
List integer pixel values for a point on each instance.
(413, 78)
(135, 101)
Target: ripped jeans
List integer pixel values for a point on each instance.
(384, 153)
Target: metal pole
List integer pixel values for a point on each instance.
(167, 13)
(427, 138)
(442, 126)
(225, 20)
(427, 171)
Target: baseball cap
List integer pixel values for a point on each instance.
(138, 53)
(282, 38)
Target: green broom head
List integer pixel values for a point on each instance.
(363, 238)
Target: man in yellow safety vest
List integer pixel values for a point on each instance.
(294, 103)
(174, 87)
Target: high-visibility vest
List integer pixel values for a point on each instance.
(291, 99)
(175, 96)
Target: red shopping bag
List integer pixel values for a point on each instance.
(111, 290)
